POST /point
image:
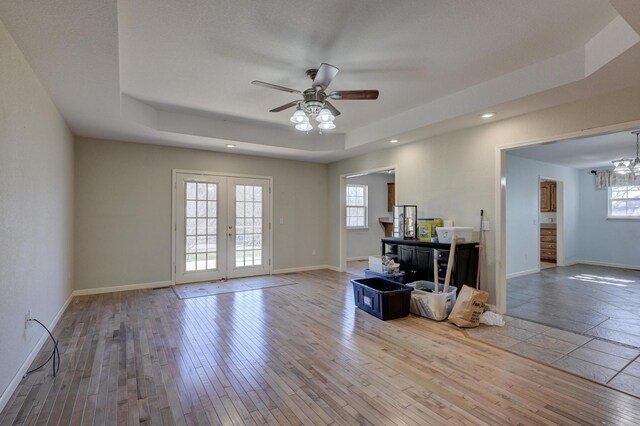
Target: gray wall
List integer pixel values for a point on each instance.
(365, 242)
(36, 209)
(602, 240)
(522, 211)
(123, 209)
(454, 175)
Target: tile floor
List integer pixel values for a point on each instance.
(591, 300)
(599, 360)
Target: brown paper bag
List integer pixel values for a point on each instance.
(469, 307)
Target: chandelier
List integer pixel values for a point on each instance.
(624, 166)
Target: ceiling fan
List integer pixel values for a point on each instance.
(315, 100)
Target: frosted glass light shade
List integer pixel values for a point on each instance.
(327, 125)
(622, 168)
(325, 116)
(304, 126)
(299, 117)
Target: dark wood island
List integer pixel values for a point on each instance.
(416, 260)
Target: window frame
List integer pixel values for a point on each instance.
(365, 206)
(610, 201)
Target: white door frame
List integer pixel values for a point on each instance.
(500, 190)
(174, 182)
(343, 207)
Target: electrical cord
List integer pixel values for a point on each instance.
(55, 354)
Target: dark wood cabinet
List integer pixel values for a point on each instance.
(416, 260)
(547, 196)
(548, 245)
(391, 195)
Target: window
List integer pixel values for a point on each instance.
(624, 202)
(357, 206)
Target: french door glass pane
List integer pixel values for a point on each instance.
(200, 226)
(248, 224)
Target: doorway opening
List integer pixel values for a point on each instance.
(221, 226)
(367, 198)
(599, 144)
(551, 221)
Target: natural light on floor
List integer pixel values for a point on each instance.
(602, 280)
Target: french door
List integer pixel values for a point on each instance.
(221, 227)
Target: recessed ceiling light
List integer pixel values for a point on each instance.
(489, 115)
(230, 145)
(393, 141)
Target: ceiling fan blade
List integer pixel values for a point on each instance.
(351, 95)
(274, 86)
(331, 108)
(324, 77)
(285, 106)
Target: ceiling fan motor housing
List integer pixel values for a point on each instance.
(313, 101)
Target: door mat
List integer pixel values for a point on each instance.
(189, 291)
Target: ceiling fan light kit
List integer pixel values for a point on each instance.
(299, 117)
(624, 166)
(314, 103)
(327, 125)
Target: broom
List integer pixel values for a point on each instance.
(479, 250)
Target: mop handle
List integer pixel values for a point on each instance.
(479, 249)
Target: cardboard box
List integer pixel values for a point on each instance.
(427, 229)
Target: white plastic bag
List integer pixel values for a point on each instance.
(431, 305)
(491, 318)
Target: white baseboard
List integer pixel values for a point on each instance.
(305, 268)
(611, 265)
(8, 392)
(523, 273)
(84, 292)
(351, 259)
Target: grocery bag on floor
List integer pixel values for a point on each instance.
(469, 307)
(428, 304)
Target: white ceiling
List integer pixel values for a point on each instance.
(179, 73)
(582, 153)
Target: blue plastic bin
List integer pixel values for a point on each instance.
(398, 277)
(382, 298)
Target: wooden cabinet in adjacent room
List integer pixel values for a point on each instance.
(547, 196)
(548, 244)
(391, 196)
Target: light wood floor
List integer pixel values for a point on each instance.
(298, 354)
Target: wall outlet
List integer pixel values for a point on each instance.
(281, 221)
(486, 225)
(313, 252)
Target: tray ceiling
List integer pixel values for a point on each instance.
(179, 73)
